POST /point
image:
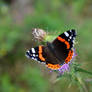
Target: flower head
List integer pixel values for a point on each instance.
(38, 34)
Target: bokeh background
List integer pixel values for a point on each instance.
(17, 18)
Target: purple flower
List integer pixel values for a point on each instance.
(65, 67)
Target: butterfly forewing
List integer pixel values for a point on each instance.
(63, 44)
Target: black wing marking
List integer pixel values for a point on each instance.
(69, 36)
(33, 53)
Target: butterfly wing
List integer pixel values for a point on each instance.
(68, 37)
(42, 54)
(63, 45)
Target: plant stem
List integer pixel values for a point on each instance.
(82, 70)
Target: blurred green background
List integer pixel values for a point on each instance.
(17, 18)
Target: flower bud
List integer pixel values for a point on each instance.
(38, 34)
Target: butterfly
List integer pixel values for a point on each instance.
(55, 53)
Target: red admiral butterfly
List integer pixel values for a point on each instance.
(55, 53)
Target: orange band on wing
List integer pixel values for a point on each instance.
(40, 54)
(70, 54)
(63, 40)
(54, 67)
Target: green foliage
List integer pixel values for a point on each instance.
(6, 86)
(9, 35)
(33, 78)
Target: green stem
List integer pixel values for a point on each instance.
(84, 88)
(82, 70)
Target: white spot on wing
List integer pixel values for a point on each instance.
(73, 41)
(33, 55)
(70, 30)
(66, 34)
(35, 59)
(33, 50)
(36, 55)
(27, 56)
(28, 51)
(70, 37)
